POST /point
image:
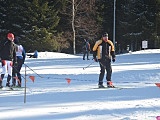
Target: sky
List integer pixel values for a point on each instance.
(65, 88)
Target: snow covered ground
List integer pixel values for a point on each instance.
(51, 97)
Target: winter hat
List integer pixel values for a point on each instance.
(10, 35)
(105, 34)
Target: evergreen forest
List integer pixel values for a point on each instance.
(62, 25)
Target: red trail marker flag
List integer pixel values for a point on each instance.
(68, 80)
(158, 84)
(32, 78)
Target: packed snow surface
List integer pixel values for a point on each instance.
(64, 88)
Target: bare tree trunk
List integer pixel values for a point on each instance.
(73, 27)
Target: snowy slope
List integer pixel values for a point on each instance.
(51, 97)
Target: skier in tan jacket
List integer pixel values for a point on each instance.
(104, 52)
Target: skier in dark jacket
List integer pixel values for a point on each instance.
(86, 49)
(21, 55)
(8, 58)
(103, 52)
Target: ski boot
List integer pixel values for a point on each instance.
(100, 86)
(19, 85)
(110, 84)
(13, 85)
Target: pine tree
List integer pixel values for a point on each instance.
(34, 22)
(41, 22)
(137, 23)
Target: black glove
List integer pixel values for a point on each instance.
(95, 59)
(113, 59)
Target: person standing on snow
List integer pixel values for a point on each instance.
(86, 49)
(103, 51)
(8, 58)
(21, 55)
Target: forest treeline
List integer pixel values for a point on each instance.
(47, 25)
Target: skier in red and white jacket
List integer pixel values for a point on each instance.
(8, 56)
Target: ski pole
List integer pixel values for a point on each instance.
(88, 65)
(33, 71)
(25, 86)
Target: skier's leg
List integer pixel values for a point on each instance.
(8, 81)
(108, 70)
(2, 76)
(87, 55)
(4, 69)
(20, 63)
(101, 75)
(84, 54)
(109, 74)
(13, 76)
(9, 64)
(19, 79)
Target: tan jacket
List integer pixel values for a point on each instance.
(104, 50)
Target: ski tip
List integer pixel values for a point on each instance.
(157, 84)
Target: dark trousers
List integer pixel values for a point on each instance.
(85, 53)
(105, 65)
(16, 72)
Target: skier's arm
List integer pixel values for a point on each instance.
(95, 49)
(24, 55)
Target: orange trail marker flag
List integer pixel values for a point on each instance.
(32, 78)
(68, 80)
(158, 84)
